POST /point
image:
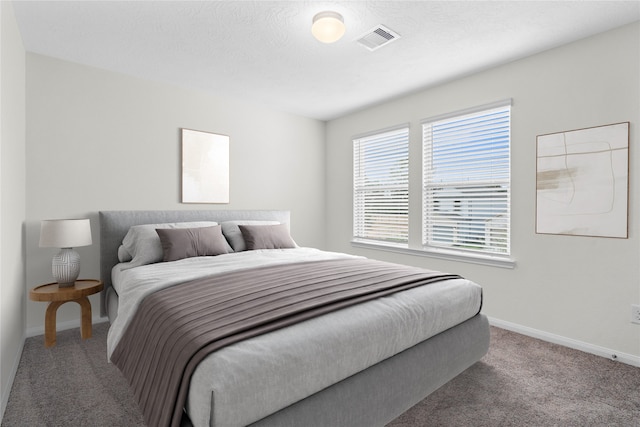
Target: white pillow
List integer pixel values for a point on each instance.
(233, 234)
(143, 243)
(123, 254)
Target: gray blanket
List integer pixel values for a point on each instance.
(175, 328)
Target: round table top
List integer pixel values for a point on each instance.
(52, 292)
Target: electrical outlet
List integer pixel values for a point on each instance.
(635, 313)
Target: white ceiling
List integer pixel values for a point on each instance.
(263, 51)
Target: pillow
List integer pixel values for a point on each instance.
(232, 232)
(267, 236)
(179, 243)
(143, 243)
(123, 254)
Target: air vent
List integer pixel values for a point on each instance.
(377, 37)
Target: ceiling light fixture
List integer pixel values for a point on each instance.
(328, 27)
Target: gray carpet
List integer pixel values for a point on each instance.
(521, 382)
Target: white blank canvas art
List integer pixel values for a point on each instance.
(205, 167)
(582, 182)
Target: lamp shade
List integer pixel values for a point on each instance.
(328, 27)
(65, 233)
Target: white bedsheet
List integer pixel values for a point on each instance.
(244, 382)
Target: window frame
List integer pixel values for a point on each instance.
(360, 234)
(427, 219)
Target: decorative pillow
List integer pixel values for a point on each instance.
(123, 254)
(179, 243)
(232, 232)
(267, 236)
(143, 243)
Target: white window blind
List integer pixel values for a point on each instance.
(466, 188)
(381, 186)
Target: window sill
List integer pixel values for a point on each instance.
(493, 261)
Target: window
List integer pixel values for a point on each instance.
(466, 181)
(381, 186)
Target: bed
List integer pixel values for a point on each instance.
(360, 365)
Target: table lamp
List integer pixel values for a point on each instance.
(65, 234)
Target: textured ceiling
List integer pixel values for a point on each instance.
(263, 51)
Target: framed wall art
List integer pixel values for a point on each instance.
(205, 167)
(582, 180)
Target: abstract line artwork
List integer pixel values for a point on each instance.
(205, 167)
(582, 182)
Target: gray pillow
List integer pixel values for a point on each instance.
(266, 236)
(143, 244)
(179, 243)
(231, 231)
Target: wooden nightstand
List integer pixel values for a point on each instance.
(58, 296)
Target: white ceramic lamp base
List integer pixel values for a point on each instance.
(66, 267)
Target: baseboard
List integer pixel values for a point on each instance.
(12, 375)
(62, 326)
(629, 359)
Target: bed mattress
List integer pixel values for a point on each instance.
(244, 382)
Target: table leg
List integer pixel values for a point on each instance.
(50, 323)
(50, 320)
(85, 325)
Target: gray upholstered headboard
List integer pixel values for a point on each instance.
(114, 225)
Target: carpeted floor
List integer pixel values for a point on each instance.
(70, 384)
(521, 382)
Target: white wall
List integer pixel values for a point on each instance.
(578, 288)
(12, 200)
(98, 140)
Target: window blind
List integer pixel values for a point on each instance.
(466, 181)
(381, 186)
